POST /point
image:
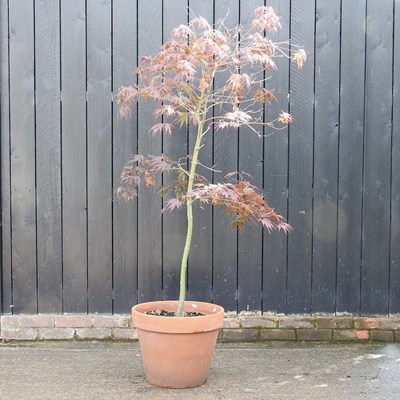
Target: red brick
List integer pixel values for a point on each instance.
(277, 334)
(27, 321)
(110, 321)
(240, 334)
(389, 324)
(345, 335)
(350, 335)
(56, 333)
(296, 322)
(362, 335)
(334, 323)
(382, 336)
(9, 321)
(231, 323)
(124, 334)
(93, 333)
(314, 334)
(257, 322)
(366, 323)
(73, 321)
(19, 334)
(36, 321)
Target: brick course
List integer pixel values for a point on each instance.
(19, 334)
(277, 334)
(314, 335)
(242, 327)
(239, 334)
(382, 336)
(73, 321)
(350, 335)
(296, 322)
(334, 323)
(365, 323)
(124, 334)
(257, 322)
(117, 321)
(93, 333)
(231, 323)
(56, 333)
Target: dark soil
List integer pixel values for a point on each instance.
(164, 313)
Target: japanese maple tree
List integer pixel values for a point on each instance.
(181, 78)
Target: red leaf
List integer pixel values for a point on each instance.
(172, 204)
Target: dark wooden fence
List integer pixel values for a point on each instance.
(68, 245)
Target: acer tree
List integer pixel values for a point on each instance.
(181, 78)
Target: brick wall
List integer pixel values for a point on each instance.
(66, 327)
(236, 328)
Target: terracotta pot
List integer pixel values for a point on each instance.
(177, 352)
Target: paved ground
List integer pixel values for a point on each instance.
(111, 371)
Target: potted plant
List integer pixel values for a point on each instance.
(181, 78)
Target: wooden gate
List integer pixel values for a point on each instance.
(69, 245)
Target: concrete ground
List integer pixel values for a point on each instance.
(111, 371)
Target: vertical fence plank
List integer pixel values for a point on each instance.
(99, 156)
(276, 176)
(22, 114)
(250, 238)
(326, 155)
(301, 161)
(225, 160)
(73, 112)
(394, 305)
(124, 146)
(5, 266)
(149, 220)
(200, 258)
(376, 230)
(174, 147)
(350, 156)
(48, 168)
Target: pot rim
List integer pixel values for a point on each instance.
(212, 320)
